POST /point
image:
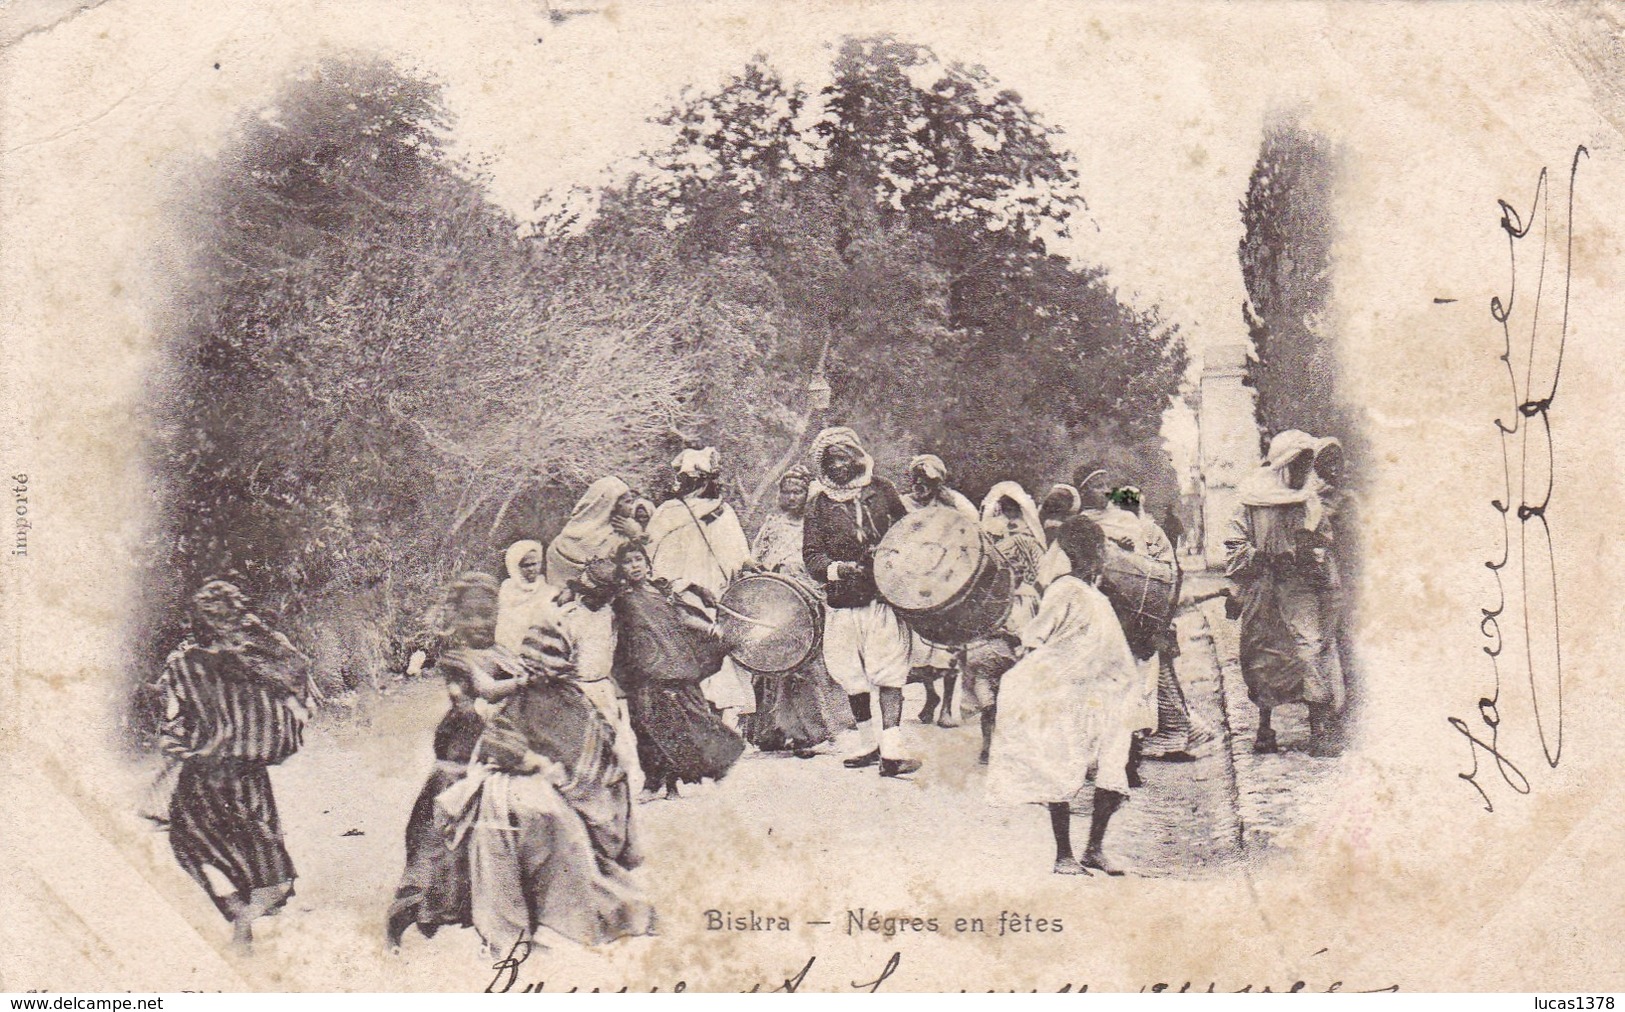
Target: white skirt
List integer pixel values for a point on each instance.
(1058, 735)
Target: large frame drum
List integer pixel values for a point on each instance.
(772, 623)
(939, 570)
(1143, 592)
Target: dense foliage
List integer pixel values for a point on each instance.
(379, 377)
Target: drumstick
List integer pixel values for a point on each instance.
(746, 618)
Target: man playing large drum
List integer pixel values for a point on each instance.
(695, 539)
(928, 488)
(866, 646)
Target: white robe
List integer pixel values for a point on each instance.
(1128, 532)
(1066, 710)
(683, 547)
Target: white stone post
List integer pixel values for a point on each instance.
(1228, 442)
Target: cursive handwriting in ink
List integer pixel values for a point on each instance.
(1528, 450)
(874, 985)
(507, 980)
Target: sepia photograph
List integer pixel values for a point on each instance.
(903, 496)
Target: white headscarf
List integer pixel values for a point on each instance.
(515, 555)
(521, 603)
(839, 435)
(694, 463)
(930, 465)
(1268, 485)
(992, 507)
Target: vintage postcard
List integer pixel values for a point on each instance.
(536, 495)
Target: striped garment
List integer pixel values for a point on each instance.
(224, 817)
(227, 723)
(217, 707)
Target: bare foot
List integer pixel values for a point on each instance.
(1069, 866)
(1096, 859)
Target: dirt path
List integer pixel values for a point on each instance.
(777, 827)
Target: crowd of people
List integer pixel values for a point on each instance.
(599, 674)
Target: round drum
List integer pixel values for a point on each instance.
(940, 571)
(1143, 592)
(770, 622)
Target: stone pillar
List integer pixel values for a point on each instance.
(1228, 441)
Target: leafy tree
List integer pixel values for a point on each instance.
(1286, 264)
(899, 223)
(375, 381)
(374, 378)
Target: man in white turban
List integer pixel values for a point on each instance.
(929, 662)
(866, 644)
(696, 539)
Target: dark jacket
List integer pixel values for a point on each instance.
(831, 533)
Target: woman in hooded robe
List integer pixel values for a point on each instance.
(525, 599)
(600, 524)
(1067, 720)
(1011, 519)
(434, 889)
(1275, 554)
(643, 511)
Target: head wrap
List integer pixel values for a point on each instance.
(840, 435)
(588, 534)
(221, 592)
(1267, 486)
(266, 654)
(693, 463)
(516, 554)
(799, 472)
(930, 465)
(993, 505)
(599, 574)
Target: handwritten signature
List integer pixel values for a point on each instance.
(507, 980)
(1532, 631)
